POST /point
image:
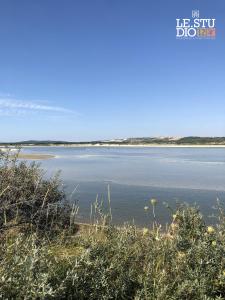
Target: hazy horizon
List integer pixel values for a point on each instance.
(105, 140)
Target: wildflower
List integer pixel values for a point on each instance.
(174, 216)
(146, 208)
(181, 255)
(145, 231)
(174, 226)
(169, 236)
(210, 229)
(163, 272)
(153, 201)
(213, 243)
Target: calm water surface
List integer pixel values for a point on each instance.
(193, 175)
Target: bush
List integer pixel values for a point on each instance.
(24, 269)
(26, 197)
(119, 263)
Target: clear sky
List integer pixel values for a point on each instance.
(99, 69)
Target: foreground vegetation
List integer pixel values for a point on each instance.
(44, 255)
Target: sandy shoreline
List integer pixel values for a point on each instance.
(128, 146)
(35, 156)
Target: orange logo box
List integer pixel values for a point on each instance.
(206, 32)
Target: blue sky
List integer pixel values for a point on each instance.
(101, 69)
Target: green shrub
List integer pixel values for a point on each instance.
(24, 269)
(26, 197)
(118, 263)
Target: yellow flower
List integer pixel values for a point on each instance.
(210, 229)
(174, 216)
(181, 255)
(145, 231)
(146, 208)
(153, 201)
(174, 226)
(213, 243)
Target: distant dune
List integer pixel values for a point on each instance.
(140, 141)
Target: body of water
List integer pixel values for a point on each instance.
(135, 175)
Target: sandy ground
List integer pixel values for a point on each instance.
(35, 156)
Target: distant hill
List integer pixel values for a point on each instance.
(190, 140)
(40, 142)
